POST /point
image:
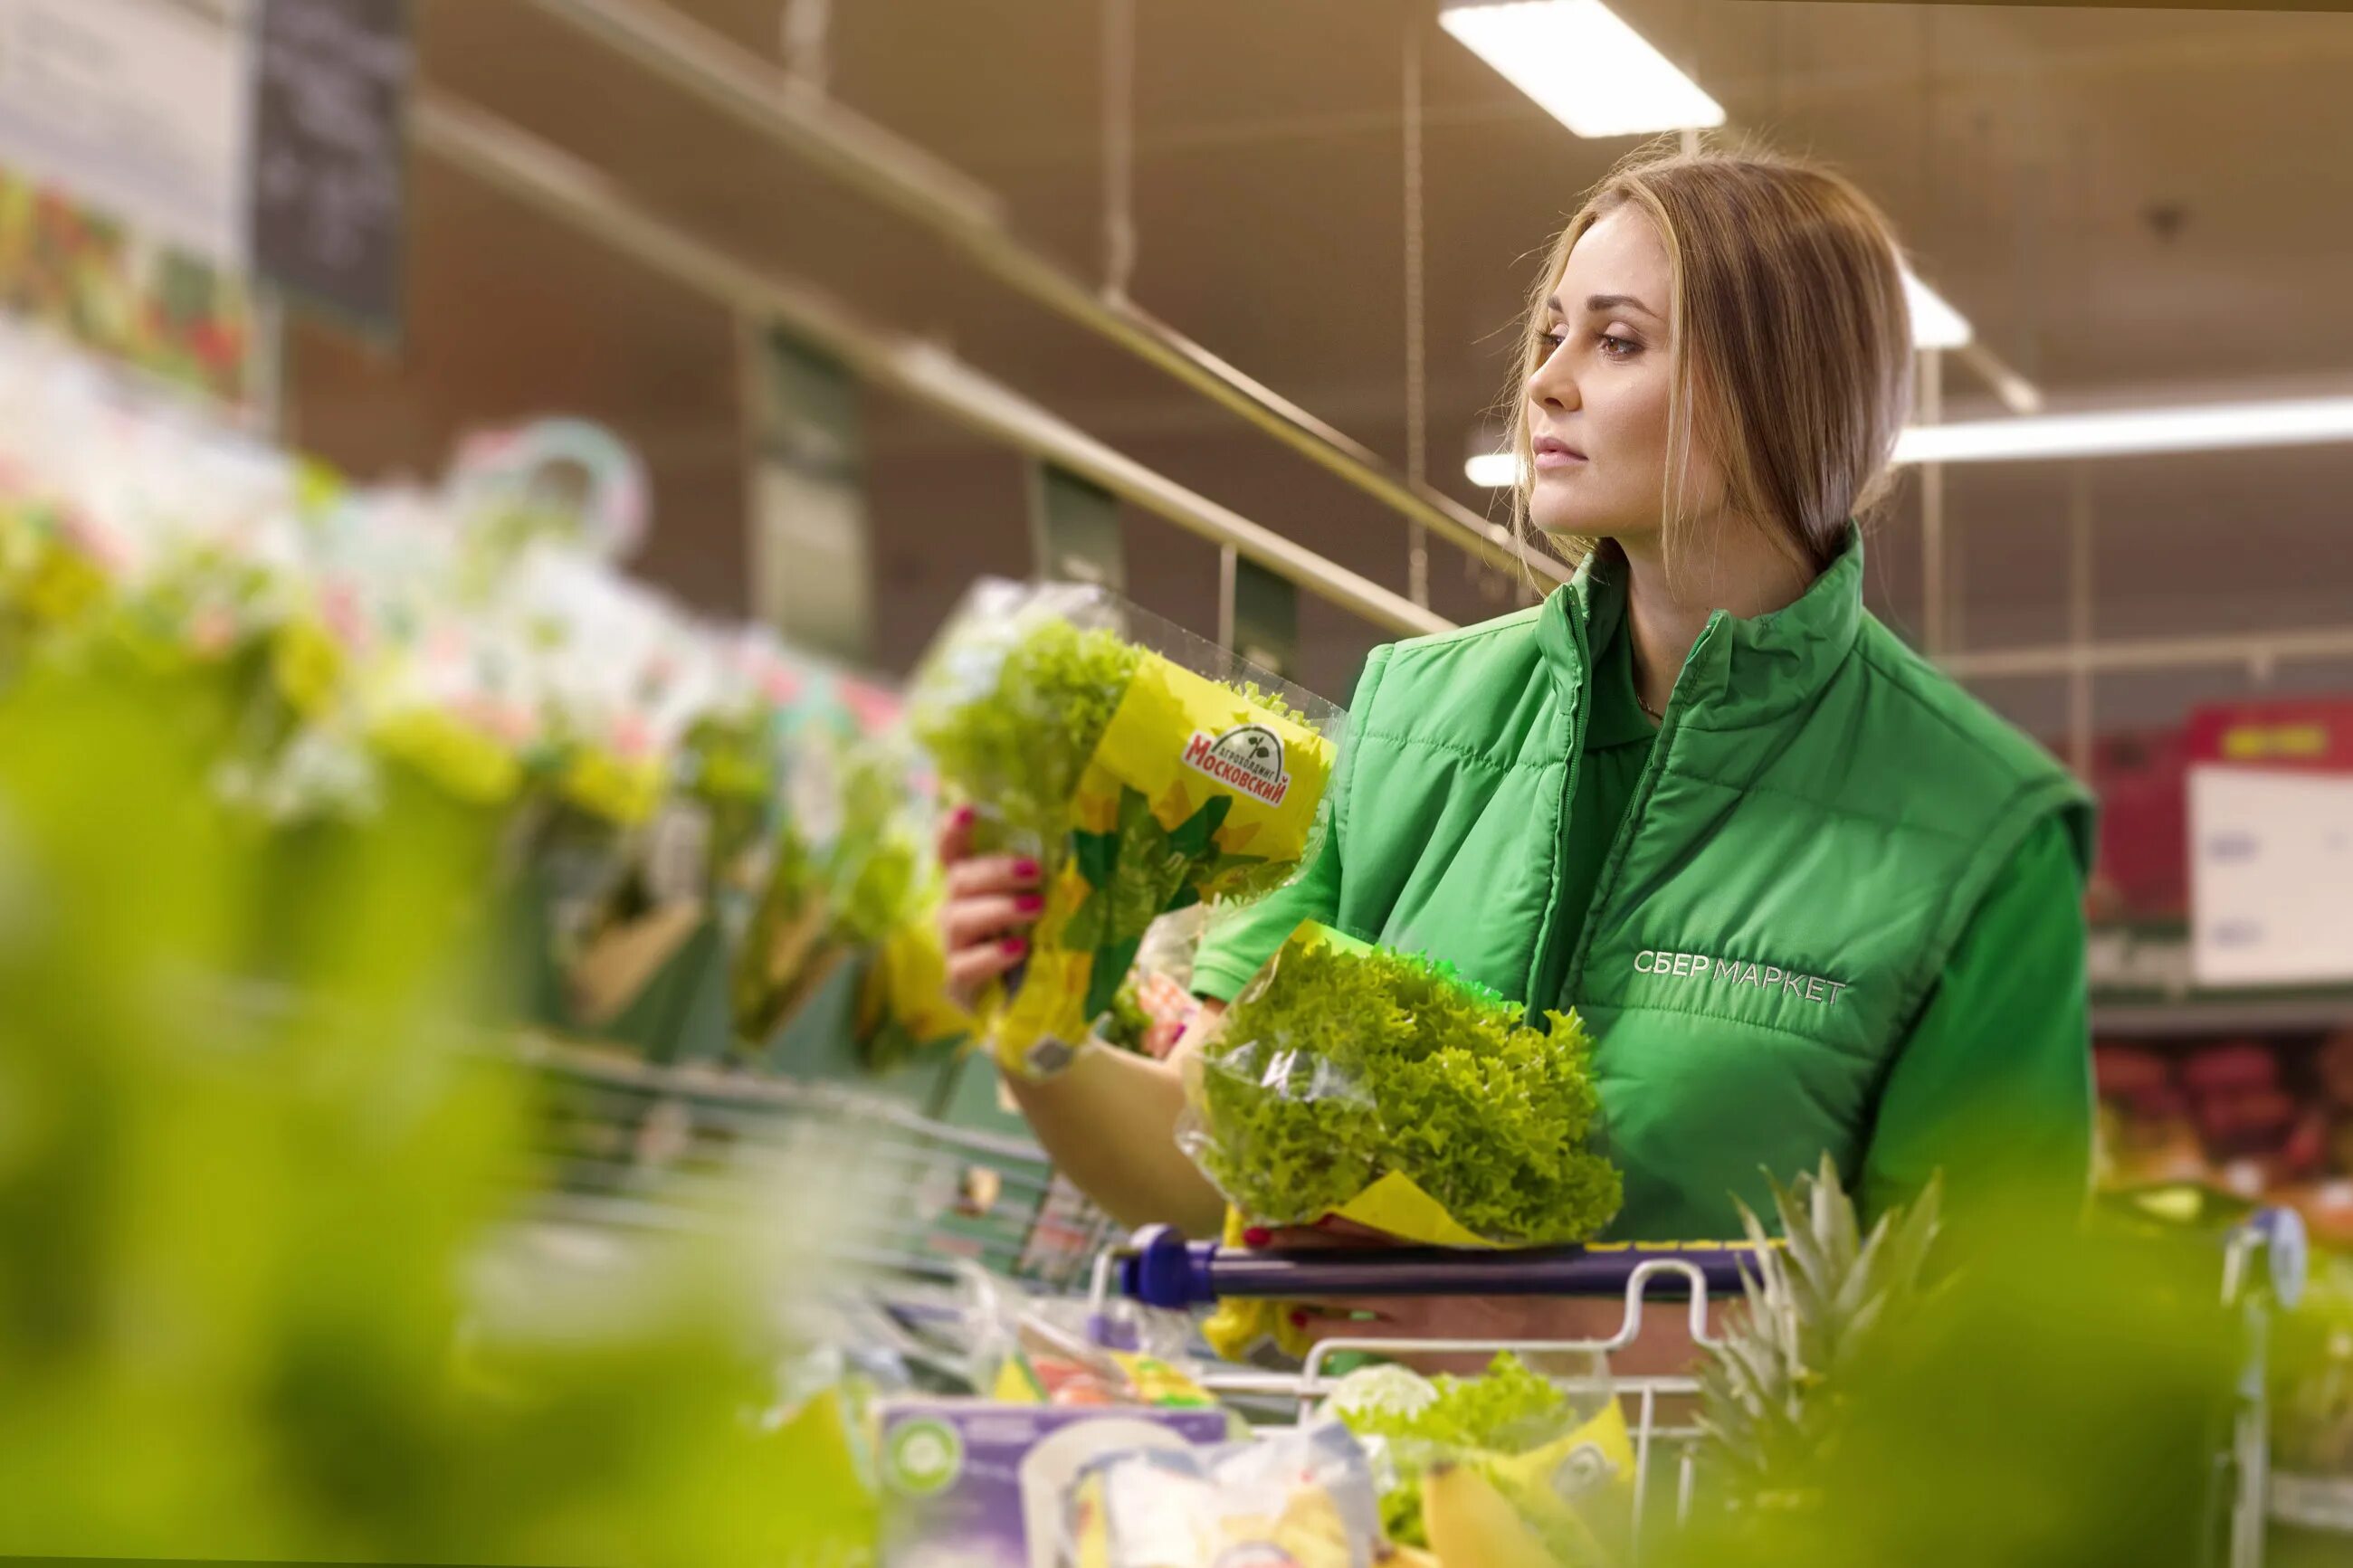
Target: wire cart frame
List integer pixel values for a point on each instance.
(2263, 1265)
(627, 1144)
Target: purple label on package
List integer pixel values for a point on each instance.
(970, 1484)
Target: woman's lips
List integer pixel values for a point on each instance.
(1552, 453)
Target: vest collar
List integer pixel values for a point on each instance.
(1742, 671)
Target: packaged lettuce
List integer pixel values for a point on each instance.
(846, 880)
(1388, 1089)
(1145, 771)
(1564, 1464)
(1302, 1497)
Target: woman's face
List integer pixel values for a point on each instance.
(1596, 406)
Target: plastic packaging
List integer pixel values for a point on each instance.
(1303, 1497)
(847, 875)
(1145, 770)
(973, 1483)
(1156, 1004)
(1383, 1089)
(1562, 1461)
(1062, 1351)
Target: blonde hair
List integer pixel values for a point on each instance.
(1791, 343)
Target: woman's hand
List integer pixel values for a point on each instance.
(1108, 1123)
(992, 903)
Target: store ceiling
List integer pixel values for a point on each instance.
(2145, 205)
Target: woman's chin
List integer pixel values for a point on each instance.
(1565, 522)
(1568, 522)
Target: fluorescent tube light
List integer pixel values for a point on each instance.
(1582, 65)
(1935, 323)
(2213, 426)
(1495, 471)
(2217, 426)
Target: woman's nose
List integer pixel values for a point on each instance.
(1551, 384)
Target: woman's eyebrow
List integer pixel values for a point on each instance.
(1601, 304)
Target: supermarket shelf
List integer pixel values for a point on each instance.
(2313, 1503)
(2211, 1014)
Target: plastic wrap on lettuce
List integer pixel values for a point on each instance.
(1383, 1088)
(1303, 1497)
(847, 883)
(1145, 771)
(1564, 1462)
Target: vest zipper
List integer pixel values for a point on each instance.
(1606, 885)
(1542, 978)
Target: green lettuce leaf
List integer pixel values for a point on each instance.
(1020, 747)
(1334, 1067)
(1511, 1410)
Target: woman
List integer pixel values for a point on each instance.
(1807, 894)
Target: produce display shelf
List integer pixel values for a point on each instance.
(2322, 1503)
(2207, 1013)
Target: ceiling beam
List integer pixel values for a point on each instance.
(766, 100)
(509, 159)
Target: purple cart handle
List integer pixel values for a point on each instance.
(1161, 1269)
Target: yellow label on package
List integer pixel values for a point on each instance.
(1195, 791)
(908, 981)
(1395, 1206)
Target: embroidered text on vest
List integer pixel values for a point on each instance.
(1737, 971)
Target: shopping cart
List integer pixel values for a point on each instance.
(631, 1144)
(2262, 1271)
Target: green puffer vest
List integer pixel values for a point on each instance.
(1821, 815)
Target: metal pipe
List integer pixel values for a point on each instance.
(1417, 334)
(2153, 653)
(2018, 395)
(923, 372)
(918, 187)
(1229, 587)
(2080, 604)
(1933, 590)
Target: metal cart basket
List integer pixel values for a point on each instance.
(2262, 1271)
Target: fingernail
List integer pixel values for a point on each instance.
(1015, 945)
(1257, 1236)
(1028, 903)
(1299, 1316)
(1025, 868)
(964, 816)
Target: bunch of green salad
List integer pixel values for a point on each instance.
(1343, 1066)
(1133, 764)
(1423, 1421)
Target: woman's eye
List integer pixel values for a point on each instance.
(1615, 347)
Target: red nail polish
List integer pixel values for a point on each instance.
(1257, 1236)
(1016, 946)
(1299, 1316)
(1028, 903)
(964, 816)
(1025, 868)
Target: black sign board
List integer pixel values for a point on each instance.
(330, 138)
(1074, 529)
(1266, 619)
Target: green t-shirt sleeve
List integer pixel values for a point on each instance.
(1994, 1085)
(1238, 944)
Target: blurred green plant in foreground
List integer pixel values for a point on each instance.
(247, 1170)
(2059, 1393)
